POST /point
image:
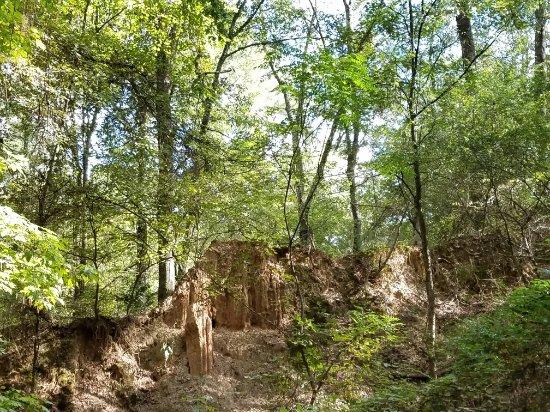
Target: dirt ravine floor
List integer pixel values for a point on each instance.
(247, 365)
(115, 365)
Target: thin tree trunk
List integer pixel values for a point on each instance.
(320, 173)
(95, 261)
(352, 147)
(42, 218)
(142, 263)
(165, 142)
(427, 268)
(305, 234)
(88, 128)
(417, 195)
(142, 259)
(352, 142)
(36, 351)
(465, 35)
(540, 72)
(297, 119)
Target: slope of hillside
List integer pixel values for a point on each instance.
(149, 363)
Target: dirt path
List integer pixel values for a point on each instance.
(248, 370)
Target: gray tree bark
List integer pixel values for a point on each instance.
(540, 70)
(141, 226)
(87, 130)
(165, 144)
(465, 34)
(352, 149)
(422, 232)
(305, 234)
(352, 145)
(42, 215)
(142, 258)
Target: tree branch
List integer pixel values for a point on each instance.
(455, 82)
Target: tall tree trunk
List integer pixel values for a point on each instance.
(540, 26)
(465, 34)
(352, 142)
(165, 142)
(540, 23)
(318, 179)
(426, 267)
(142, 260)
(94, 257)
(305, 234)
(297, 119)
(307, 237)
(352, 148)
(87, 130)
(421, 234)
(42, 217)
(467, 44)
(417, 195)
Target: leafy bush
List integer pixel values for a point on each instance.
(497, 361)
(31, 261)
(12, 400)
(338, 354)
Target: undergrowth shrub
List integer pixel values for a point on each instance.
(340, 354)
(13, 400)
(496, 361)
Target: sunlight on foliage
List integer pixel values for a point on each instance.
(493, 360)
(13, 400)
(31, 261)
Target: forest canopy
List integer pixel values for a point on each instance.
(134, 134)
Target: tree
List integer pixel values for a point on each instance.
(424, 82)
(465, 34)
(540, 23)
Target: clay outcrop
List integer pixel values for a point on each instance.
(237, 285)
(248, 286)
(189, 309)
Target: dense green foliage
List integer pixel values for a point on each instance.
(497, 361)
(135, 133)
(14, 400)
(32, 261)
(339, 352)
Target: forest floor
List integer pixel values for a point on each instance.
(247, 366)
(118, 365)
(250, 371)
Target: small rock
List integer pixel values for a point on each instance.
(279, 346)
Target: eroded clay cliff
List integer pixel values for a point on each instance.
(248, 285)
(189, 309)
